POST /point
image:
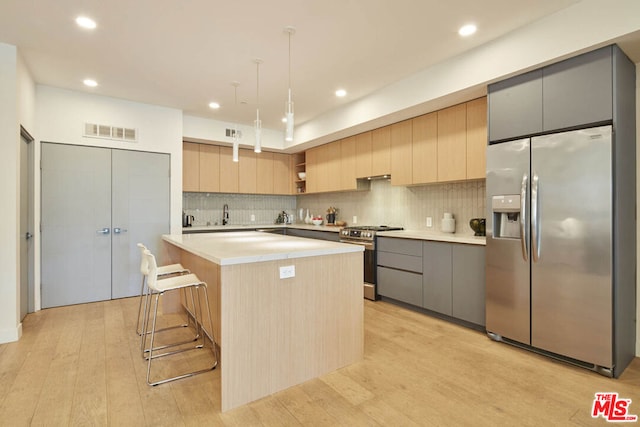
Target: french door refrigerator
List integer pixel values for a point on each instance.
(550, 250)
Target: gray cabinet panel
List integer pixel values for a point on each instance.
(399, 246)
(578, 91)
(436, 272)
(400, 285)
(400, 261)
(468, 282)
(515, 106)
(312, 234)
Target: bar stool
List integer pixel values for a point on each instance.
(176, 283)
(163, 271)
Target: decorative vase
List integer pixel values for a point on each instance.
(307, 219)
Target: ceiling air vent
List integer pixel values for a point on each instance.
(94, 130)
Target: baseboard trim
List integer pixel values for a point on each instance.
(10, 335)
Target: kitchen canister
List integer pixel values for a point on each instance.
(448, 223)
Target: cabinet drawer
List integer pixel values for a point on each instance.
(400, 285)
(400, 246)
(400, 261)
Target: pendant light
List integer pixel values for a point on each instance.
(236, 131)
(288, 113)
(257, 124)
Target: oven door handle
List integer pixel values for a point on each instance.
(367, 245)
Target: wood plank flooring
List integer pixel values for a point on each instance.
(81, 365)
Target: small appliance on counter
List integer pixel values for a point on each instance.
(187, 220)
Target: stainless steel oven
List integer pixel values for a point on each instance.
(366, 236)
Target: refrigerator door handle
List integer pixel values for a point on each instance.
(524, 235)
(535, 220)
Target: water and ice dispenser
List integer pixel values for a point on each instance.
(506, 216)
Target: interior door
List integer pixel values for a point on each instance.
(26, 221)
(141, 211)
(76, 224)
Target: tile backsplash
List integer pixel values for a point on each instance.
(383, 204)
(207, 208)
(408, 207)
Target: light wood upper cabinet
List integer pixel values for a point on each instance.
(452, 143)
(363, 155)
(401, 163)
(348, 161)
(264, 173)
(190, 166)
(425, 149)
(228, 171)
(209, 168)
(311, 160)
(247, 178)
(333, 166)
(477, 138)
(381, 151)
(282, 176)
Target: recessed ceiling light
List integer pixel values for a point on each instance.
(85, 22)
(90, 82)
(467, 30)
(340, 93)
(214, 105)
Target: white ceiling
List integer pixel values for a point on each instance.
(186, 54)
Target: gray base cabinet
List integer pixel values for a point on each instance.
(437, 277)
(467, 284)
(446, 278)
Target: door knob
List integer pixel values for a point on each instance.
(103, 231)
(118, 230)
(28, 235)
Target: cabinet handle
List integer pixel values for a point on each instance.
(118, 230)
(103, 231)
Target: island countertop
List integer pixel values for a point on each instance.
(244, 247)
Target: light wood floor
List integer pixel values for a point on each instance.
(80, 365)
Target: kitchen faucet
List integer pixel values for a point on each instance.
(225, 214)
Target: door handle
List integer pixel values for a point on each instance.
(118, 230)
(103, 231)
(535, 219)
(524, 231)
(28, 235)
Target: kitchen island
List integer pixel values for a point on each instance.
(285, 309)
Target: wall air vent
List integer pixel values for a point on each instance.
(230, 133)
(94, 130)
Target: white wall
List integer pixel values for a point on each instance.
(10, 329)
(61, 115)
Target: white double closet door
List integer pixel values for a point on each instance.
(97, 204)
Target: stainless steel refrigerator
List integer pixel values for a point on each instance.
(550, 252)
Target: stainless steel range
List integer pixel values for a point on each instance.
(366, 236)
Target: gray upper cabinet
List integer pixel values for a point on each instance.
(515, 106)
(569, 94)
(578, 91)
(436, 276)
(468, 283)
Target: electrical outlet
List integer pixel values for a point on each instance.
(287, 271)
(355, 220)
(429, 221)
(253, 218)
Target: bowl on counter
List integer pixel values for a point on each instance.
(316, 221)
(478, 225)
(302, 175)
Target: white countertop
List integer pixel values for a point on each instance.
(435, 236)
(242, 247)
(212, 228)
